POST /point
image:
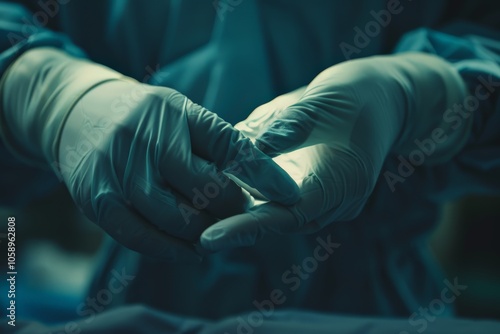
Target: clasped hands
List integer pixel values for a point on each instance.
(151, 167)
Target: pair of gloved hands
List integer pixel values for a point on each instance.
(151, 167)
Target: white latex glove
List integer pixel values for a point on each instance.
(143, 162)
(334, 135)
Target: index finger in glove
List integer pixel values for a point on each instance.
(245, 229)
(333, 187)
(215, 140)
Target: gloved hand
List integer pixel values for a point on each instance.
(334, 135)
(143, 162)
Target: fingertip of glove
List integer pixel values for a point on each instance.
(218, 238)
(212, 240)
(264, 179)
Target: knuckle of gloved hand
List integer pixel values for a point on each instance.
(36, 58)
(145, 102)
(181, 105)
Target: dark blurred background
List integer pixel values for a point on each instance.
(467, 245)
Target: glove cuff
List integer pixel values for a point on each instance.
(37, 92)
(436, 93)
